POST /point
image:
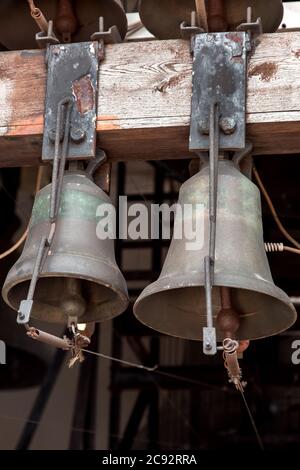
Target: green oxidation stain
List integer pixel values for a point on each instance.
(73, 205)
(247, 205)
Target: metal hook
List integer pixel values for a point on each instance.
(241, 154)
(101, 158)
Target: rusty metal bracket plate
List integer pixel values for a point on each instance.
(219, 76)
(72, 72)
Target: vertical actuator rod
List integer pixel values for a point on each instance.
(209, 332)
(213, 180)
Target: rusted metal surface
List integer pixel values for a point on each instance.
(84, 94)
(220, 77)
(73, 72)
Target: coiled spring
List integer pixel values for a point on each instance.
(274, 247)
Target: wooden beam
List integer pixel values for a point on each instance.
(144, 100)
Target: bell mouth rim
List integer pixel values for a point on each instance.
(220, 281)
(123, 298)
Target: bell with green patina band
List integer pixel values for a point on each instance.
(163, 18)
(175, 303)
(80, 276)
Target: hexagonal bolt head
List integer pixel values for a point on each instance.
(228, 125)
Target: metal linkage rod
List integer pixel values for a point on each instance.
(26, 305)
(213, 178)
(62, 124)
(209, 332)
(59, 162)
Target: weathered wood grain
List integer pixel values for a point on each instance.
(144, 100)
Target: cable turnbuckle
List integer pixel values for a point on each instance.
(231, 363)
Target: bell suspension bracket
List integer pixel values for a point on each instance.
(218, 122)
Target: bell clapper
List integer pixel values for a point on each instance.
(216, 16)
(228, 319)
(66, 22)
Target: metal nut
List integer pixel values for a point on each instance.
(203, 127)
(78, 135)
(51, 135)
(228, 125)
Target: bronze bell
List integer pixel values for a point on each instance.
(80, 18)
(163, 18)
(80, 276)
(175, 303)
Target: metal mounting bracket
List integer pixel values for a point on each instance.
(72, 73)
(112, 36)
(44, 40)
(219, 75)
